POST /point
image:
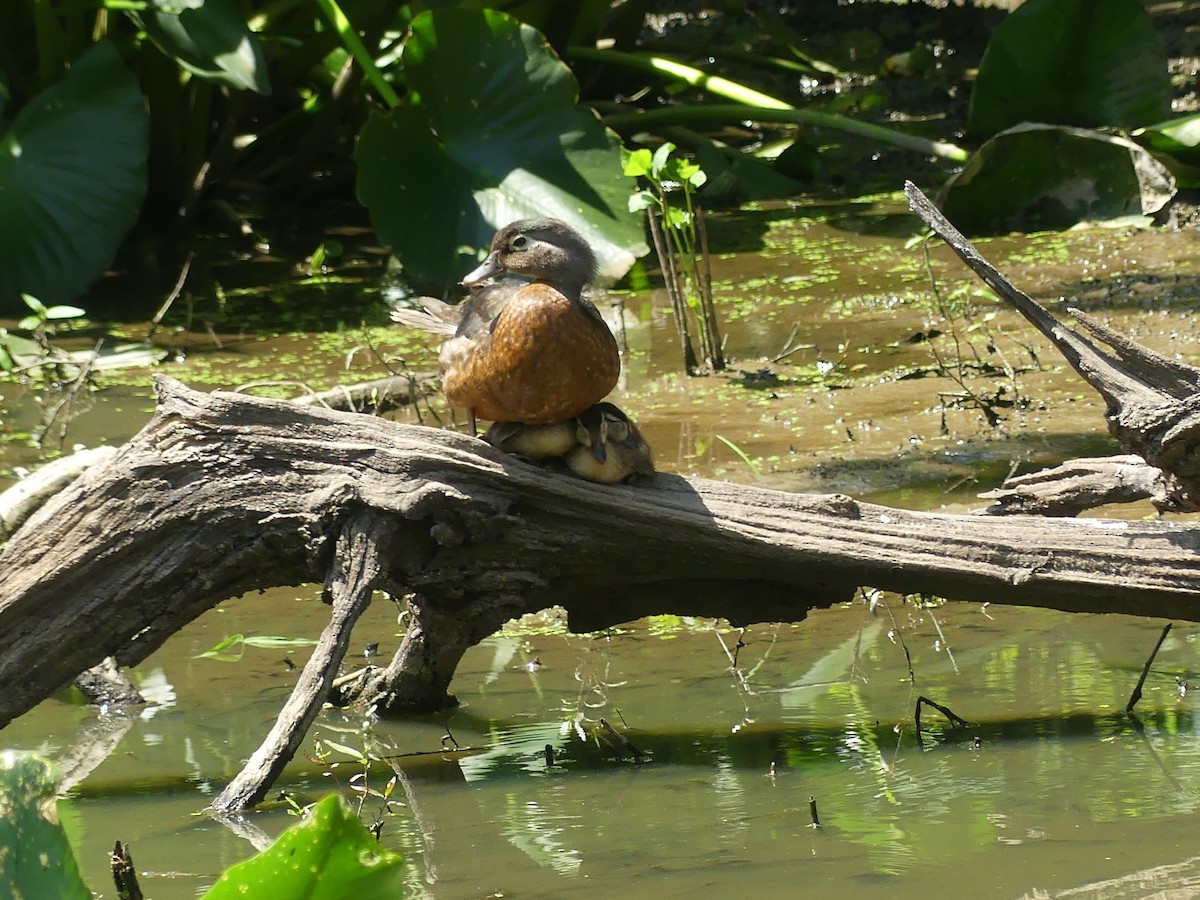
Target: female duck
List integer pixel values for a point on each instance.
(541, 354)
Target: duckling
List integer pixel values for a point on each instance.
(535, 441)
(545, 355)
(611, 448)
(602, 444)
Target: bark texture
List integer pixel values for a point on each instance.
(221, 494)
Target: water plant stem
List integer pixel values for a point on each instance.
(666, 260)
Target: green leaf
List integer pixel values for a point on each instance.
(1178, 137)
(1072, 62)
(642, 200)
(56, 313)
(343, 749)
(72, 178)
(485, 142)
(35, 857)
(1046, 177)
(735, 175)
(208, 38)
(217, 651)
(678, 219)
(636, 162)
(17, 351)
(660, 161)
(34, 303)
(329, 855)
(274, 641)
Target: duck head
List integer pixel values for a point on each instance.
(547, 250)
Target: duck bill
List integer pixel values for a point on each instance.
(599, 451)
(486, 269)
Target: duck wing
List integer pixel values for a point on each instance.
(483, 305)
(435, 316)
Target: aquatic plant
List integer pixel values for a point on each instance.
(681, 242)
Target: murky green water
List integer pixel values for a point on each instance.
(1050, 789)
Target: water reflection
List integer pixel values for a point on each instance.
(1050, 787)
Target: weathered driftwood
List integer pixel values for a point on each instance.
(1153, 401)
(20, 501)
(378, 396)
(1082, 484)
(221, 494)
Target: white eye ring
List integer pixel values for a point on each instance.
(519, 242)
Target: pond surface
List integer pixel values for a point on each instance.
(1050, 789)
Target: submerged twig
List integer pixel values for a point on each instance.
(1137, 691)
(156, 319)
(956, 720)
(621, 742)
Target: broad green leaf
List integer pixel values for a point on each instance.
(1037, 177)
(329, 855)
(35, 857)
(72, 178)
(490, 134)
(208, 38)
(739, 175)
(1072, 62)
(1178, 137)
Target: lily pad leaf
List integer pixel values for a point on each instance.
(490, 133)
(328, 856)
(66, 203)
(210, 39)
(1036, 177)
(1088, 63)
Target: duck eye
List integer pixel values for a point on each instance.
(519, 242)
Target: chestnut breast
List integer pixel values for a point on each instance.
(547, 359)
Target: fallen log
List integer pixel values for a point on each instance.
(221, 494)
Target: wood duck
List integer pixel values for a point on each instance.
(536, 354)
(602, 444)
(611, 449)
